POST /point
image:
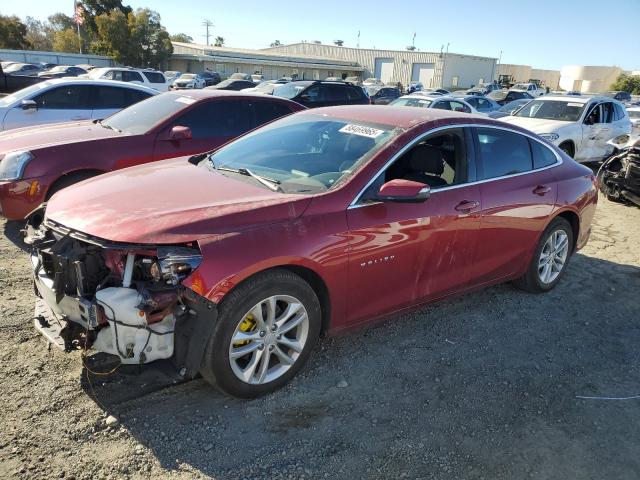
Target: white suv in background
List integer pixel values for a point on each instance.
(147, 77)
(580, 126)
(531, 88)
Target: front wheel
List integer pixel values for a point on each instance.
(266, 330)
(550, 258)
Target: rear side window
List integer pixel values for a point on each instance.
(111, 97)
(75, 97)
(132, 77)
(542, 155)
(217, 119)
(154, 77)
(266, 111)
(336, 93)
(356, 93)
(503, 153)
(619, 112)
(459, 107)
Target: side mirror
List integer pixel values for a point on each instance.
(178, 132)
(28, 105)
(403, 191)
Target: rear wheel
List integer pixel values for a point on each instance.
(550, 258)
(266, 330)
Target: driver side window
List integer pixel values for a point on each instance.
(439, 160)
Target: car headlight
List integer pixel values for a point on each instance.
(552, 137)
(175, 263)
(12, 165)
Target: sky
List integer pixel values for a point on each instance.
(541, 33)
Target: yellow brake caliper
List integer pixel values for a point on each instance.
(248, 324)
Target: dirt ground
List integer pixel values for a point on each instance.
(480, 387)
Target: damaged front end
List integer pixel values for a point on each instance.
(121, 299)
(619, 175)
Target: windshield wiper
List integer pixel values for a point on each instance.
(270, 183)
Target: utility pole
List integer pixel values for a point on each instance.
(207, 24)
(358, 44)
(413, 41)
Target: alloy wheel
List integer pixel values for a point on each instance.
(268, 339)
(553, 256)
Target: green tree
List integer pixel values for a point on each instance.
(13, 33)
(95, 8)
(219, 42)
(181, 37)
(112, 37)
(276, 43)
(59, 21)
(39, 34)
(66, 41)
(136, 39)
(627, 83)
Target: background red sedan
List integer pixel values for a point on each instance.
(323, 220)
(37, 162)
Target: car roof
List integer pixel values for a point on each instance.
(578, 98)
(89, 81)
(199, 94)
(403, 117)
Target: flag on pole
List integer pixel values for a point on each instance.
(78, 10)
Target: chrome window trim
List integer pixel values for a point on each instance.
(354, 203)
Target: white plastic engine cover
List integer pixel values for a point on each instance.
(120, 304)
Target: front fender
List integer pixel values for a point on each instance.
(318, 243)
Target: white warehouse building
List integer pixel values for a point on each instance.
(433, 69)
(588, 79)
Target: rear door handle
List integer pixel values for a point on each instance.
(542, 190)
(467, 205)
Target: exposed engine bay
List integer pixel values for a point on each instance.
(619, 175)
(123, 300)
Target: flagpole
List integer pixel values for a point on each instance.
(76, 18)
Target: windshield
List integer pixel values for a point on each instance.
(14, 67)
(143, 116)
(411, 102)
(290, 90)
(511, 106)
(565, 111)
(22, 94)
(303, 153)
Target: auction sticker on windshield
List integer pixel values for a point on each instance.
(575, 104)
(361, 130)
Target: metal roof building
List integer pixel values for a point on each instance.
(433, 69)
(192, 57)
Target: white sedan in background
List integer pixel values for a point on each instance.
(580, 126)
(634, 116)
(68, 99)
(434, 101)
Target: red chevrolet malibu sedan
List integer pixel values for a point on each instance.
(37, 162)
(232, 264)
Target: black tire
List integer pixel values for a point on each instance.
(567, 148)
(216, 368)
(531, 281)
(68, 180)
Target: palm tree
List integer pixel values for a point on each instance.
(218, 42)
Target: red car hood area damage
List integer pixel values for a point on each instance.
(168, 202)
(31, 138)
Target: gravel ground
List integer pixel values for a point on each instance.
(480, 387)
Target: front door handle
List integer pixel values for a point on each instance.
(467, 205)
(542, 190)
